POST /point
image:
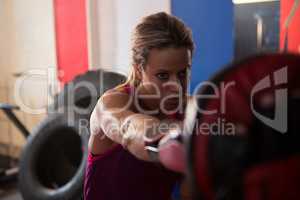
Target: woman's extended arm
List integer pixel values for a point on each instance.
(114, 116)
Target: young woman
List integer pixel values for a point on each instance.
(148, 107)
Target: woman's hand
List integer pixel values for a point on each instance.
(171, 151)
(164, 145)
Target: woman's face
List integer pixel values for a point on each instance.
(165, 78)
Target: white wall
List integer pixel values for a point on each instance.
(102, 33)
(115, 20)
(6, 39)
(27, 41)
(35, 45)
(6, 61)
(35, 36)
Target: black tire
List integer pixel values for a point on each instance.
(54, 158)
(85, 89)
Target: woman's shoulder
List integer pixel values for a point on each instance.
(120, 94)
(123, 88)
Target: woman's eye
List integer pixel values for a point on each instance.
(163, 76)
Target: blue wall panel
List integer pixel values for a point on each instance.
(212, 24)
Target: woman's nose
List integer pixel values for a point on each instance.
(173, 87)
(173, 84)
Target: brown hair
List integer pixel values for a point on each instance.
(159, 30)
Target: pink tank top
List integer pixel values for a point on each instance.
(118, 175)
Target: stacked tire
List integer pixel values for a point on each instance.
(54, 158)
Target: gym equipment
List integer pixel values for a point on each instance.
(9, 171)
(260, 159)
(85, 89)
(54, 158)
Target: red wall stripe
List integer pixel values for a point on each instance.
(294, 29)
(71, 38)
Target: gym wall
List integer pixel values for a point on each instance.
(110, 25)
(294, 30)
(27, 41)
(212, 25)
(71, 38)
